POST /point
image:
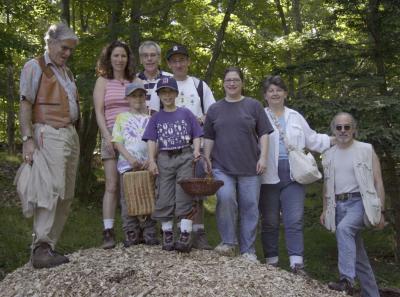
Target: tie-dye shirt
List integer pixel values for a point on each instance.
(128, 130)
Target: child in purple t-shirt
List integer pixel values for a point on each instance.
(173, 129)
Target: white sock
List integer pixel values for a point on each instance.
(186, 225)
(295, 260)
(272, 260)
(108, 223)
(197, 227)
(167, 226)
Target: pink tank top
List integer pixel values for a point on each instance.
(114, 101)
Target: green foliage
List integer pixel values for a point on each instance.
(345, 58)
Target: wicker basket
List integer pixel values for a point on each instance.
(139, 192)
(197, 186)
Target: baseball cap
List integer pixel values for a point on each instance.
(130, 88)
(177, 49)
(167, 82)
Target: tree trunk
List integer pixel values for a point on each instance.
(88, 140)
(391, 176)
(87, 131)
(392, 181)
(114, 24)
(288, 58)
(298, 24)
(65, 15)
(220, 38)
(375, 34)
(135, 14)
(83, 17)
(10, 109)
(73, 15)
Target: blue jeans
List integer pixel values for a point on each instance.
(237, 202)
(353, 259)
(286, 196)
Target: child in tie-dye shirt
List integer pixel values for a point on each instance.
(127, 138)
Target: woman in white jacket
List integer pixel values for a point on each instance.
(280, 194)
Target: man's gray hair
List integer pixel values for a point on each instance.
(352, 119)
(58, 32)
(149, 43)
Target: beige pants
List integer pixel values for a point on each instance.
(171, 200)
(57, 156)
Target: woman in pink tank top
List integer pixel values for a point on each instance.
(115, 70)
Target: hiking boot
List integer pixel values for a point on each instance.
(108, 239)
(275, 264)
(150, 237)
(184, 243)
(131, 238)
(250, 257)
(45, 257)
(299, 270)
(200, 241)
(168, 241)
(225, 249)
(342, 285)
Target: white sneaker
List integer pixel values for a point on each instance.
(249, 257)
(225, 249)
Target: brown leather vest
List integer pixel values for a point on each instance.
(51, 104)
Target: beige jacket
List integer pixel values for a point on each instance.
(362, 165)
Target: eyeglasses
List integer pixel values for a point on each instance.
(152, 55)
(232, 80)
(343, 127)
(178, 61)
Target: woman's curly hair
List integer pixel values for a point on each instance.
(104, 67)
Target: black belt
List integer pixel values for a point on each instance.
(177, 151)
(347, 196)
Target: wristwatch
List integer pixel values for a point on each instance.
(26, 137)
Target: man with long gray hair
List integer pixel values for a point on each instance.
(353, 198)
(49, 110)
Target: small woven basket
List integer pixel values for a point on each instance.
(139, 192)
(198, 186)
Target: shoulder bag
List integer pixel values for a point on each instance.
(303, 167)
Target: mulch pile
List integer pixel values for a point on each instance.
(149, 271)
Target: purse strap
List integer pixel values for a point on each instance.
(282, 134)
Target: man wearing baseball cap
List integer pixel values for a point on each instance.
(195, 95)
(171, 131)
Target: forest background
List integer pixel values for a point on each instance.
(335, 56)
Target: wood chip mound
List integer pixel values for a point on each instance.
(148, 271)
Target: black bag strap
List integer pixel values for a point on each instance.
(200, 92)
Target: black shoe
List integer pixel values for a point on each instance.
(168, 241)
(184, 244)
(150, 238)
(200, 241)
(343, 285)
(45, 257)
(298, 269)
(132, 238)
(108, 239)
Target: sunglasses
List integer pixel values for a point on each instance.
(343, 127)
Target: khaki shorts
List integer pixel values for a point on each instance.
(105, 154)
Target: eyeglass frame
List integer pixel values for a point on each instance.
(343, 127)
(234, 80)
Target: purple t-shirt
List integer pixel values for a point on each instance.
(173, 130)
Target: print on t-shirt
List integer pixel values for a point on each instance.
(174, 135)
(128, 130)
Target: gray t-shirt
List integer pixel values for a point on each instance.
(345, 177)
(235, 128)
